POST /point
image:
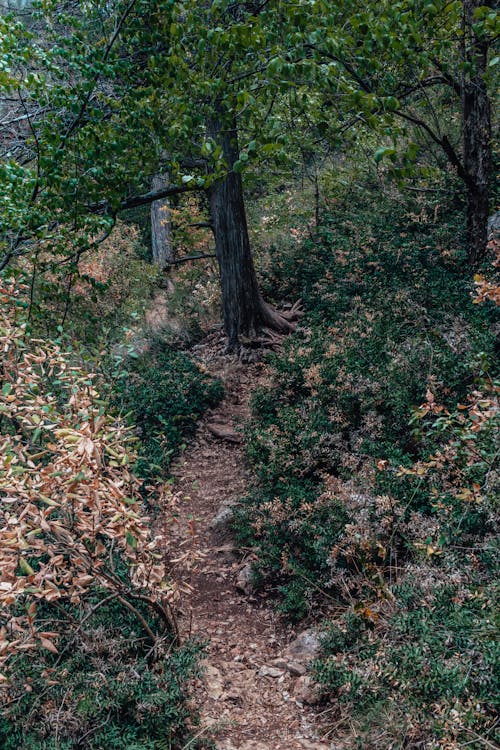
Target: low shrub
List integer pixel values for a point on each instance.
(164, 392)
(390, 316)
(419, 668)
(294, 530)
(107, 687)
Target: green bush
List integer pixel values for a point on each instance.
(375, 449)
(386, 314)
(164, 392)
(389, 317)
(433, 659)
(294, 531)
(106, 688)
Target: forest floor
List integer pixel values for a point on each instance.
(254, 692)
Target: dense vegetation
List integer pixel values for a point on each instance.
(164, 393)
(376, 452)
(320, 175)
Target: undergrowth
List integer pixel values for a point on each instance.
(105, 688)
(375, 451)
(164, 392)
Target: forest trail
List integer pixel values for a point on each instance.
(248, 697)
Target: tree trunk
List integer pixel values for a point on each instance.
(244, 311)
(316, 198)
(476, 124)
(477, 220)
(161, 227)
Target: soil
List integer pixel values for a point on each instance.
(246, 694)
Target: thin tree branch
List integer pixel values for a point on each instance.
(455, 85)
(139, 617)
(143, 199)
(443, 142)
(156, 195)
(191, 257)
(202, 225)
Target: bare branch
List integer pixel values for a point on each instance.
(187, 258)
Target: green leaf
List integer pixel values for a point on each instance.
(131, 540)
(25, 567)
(383, 152)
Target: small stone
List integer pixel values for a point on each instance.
(214, 682)
(244, 579)
(306, 691)
(266, 671)
(308, 745)
(222, 521)
(280, 663)
(296, 669)
(304, 647)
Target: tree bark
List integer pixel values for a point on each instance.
(316, 198)
(161, 227)
(244, 311)
(476, 131)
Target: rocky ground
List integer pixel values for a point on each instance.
(256, 693)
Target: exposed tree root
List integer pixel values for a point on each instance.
(295, 312)
(283, 322)
(271, 326)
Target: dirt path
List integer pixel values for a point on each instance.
(251, 697)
